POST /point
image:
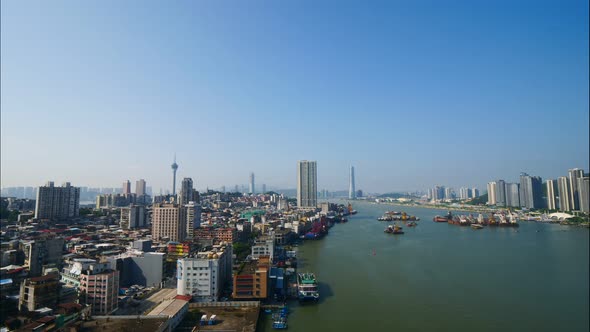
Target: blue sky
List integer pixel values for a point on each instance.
(412, 93)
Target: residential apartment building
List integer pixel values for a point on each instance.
(573, 175)
(134, 216)
(223, 234)
(306, 184)
(512, 194)
(39, 292)
(97, 284)
(169, 222)
(551, 194)
(57, 203)
(583, 193)
(492, 193)
(563, 189)
(42, 252)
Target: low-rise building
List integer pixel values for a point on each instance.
(97, 284)
(218, 235)
(39, 292)
(251, 282)
(175, 309)
(204, 275)
(265, 246)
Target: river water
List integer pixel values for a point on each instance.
(440, 277)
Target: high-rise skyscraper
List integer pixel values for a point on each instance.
(524, 188)
(174, 169)
(500, 193)
(307, 184)
(551, 190)
(449, 193)
(531, 191)
(186, 192)
(492, 193)
(512, 194)
(563, 190)
(57, 203)
(126, 188)
(583, 193)
(140, 188)
(251, 188)
(474, 192)
(574, 174)
(263, 188)
(351, 187)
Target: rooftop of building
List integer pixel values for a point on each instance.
(168, 308)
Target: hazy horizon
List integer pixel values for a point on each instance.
(413, 95)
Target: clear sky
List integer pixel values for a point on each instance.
(412, 93)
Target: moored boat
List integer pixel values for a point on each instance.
(476, 226)
(307, 287)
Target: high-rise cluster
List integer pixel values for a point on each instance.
(566, 193)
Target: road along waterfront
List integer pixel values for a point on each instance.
(440, 277)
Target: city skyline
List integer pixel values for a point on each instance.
(399, 69)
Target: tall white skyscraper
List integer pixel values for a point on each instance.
(307, 184)
(140, 187)
(351, 186)
(563, 189)
(574, 174)
(551, 190)
(252, 188)
(492, 193)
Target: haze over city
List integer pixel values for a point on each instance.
(412, 94)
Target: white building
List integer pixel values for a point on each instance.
(551, 189)
(492, 193)
(193, 218)
(307, 184)
(264, 247)
(563, 189)
(204, 275)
